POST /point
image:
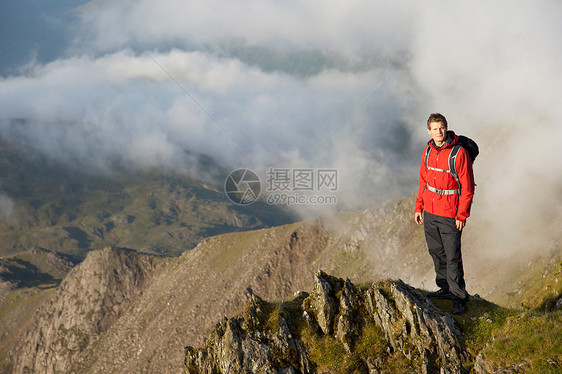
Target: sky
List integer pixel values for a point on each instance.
(302, 84)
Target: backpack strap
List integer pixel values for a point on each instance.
(452, 162)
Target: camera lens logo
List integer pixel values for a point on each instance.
(242, 186)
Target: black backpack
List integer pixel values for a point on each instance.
(465, 142)
(468, 144)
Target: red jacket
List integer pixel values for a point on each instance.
(455, 205)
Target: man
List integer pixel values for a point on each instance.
(443, 205)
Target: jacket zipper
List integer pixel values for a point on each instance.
(434, 180)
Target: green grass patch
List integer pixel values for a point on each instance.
(372, 342)
(544, 294)
(331, 356)
(511, 339)
(529, 340)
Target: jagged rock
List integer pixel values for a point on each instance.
(251, 344)
(410, 321)
(266, 341)
(323, 301)
(349, 322)
(484, 366)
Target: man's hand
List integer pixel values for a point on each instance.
(460, 224)
(418, 218)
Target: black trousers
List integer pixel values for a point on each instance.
(444, 244)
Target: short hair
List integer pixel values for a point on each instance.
(436, 117)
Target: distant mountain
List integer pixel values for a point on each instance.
(34, 267)
(71, 210)
(124, 311)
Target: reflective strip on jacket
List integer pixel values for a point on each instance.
(452, 205)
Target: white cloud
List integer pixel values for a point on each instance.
(341, 26)
(6, 206)
(381, 68)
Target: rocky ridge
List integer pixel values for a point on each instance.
(152, 307)
(90, 299)
(265, 340)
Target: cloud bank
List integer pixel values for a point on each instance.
(305, 84)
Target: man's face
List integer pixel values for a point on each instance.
(438, 132)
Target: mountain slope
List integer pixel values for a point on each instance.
(183, 299)
(67, 209)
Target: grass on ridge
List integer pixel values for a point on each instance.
(530, 341)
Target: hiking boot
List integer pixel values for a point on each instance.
(459, 306)
(441, 294)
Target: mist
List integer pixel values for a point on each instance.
(349, 86)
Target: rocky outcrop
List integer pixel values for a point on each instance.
(89, 300)
(253, 343)
(415, 327)
(279, 339)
